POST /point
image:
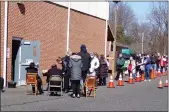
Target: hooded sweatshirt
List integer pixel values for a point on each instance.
(75, 65)
(85, 58)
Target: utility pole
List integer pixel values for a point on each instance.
(114, 42)
(142, 43)
(68, 30)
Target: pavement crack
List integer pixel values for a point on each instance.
(29, 102)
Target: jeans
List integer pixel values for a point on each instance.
(81, 82)
(147, 74)
(134, 75)
(154, 66)
(162, 69)
(158, 67)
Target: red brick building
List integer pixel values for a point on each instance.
(46, 22)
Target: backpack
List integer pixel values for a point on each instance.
(120, 62)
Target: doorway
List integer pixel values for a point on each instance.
(16, 42)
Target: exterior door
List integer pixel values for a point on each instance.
(30, 52)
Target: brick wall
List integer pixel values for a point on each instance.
(47, 23)
(88, 30)
(1, 36)
(42, 21)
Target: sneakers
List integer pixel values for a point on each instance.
(73, 96)
(147, 80)
(78, 95)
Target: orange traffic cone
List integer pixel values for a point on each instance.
(138, 77)
(111, 83)
(160, 84)
(158, 73)
(155, 74)
(131, 81)
(142, 77)
(166, 83)
(152, 74)
(120, 82)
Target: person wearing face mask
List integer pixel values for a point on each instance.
(94, 64)
(120, 63)
(148, 67)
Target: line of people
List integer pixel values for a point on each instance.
(77, 66)
(141, 63)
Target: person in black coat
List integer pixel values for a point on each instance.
(51, 72)
(85, 61)
(33, 69)
(103, 71)
(66, 72)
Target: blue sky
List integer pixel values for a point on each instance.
(141, 9)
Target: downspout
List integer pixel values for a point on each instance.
(68, 26)
(5, 42)
(107, 11)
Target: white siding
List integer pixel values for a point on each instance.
(98, 9)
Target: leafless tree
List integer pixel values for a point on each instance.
(158, 18)
(125, 17)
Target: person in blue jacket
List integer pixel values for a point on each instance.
(148, 68)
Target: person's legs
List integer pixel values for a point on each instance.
(84, 74)
(40, 86)
(118, 74)
(149, 74)
(33, 89)
(78, 88)
(74, 87)
(100, 81)
(66, 83)
(104, 81)
(161, 69)
(146, 74)
(121, 72)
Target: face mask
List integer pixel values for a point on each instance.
(92, 56)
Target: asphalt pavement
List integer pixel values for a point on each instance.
(141, 96)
